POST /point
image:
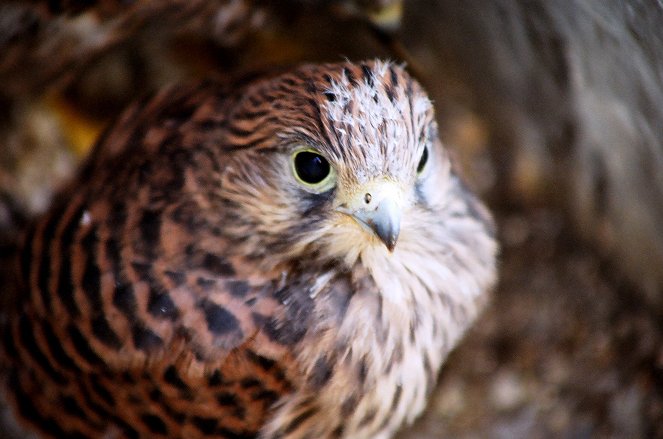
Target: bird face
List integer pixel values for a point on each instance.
(351, 162)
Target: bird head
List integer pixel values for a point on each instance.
(339, 158)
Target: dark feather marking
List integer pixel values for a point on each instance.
(389, 91)
(83, 348)
(250, 114)
(205, 283)
(160, 305)
(178, 278)
(255, 143)
(103, 332)
(154, 423)
(144, 339)
(396, 398)
(282, 334)
(290, 81)
(338, 431)
(219, 320)
(368, 418)
(27, 341)
(150, 229)
(349, 405)
(123, 296)
(46, 238)
(265, 363)
(206, 426)
(124, 300)
(362, 371)
(368, 75)
(173, 414)
(91, 286)
(142, 269)
(28, 410)
(313, 203)
(298, 312)
(240, 132)
(216, 379)
(217, 265)
(156, 395)
(71, 407)
(91, 404)
(173, 378)
(248, 383)
(102, 392)
(268, 397)
(295, 423)
(55, 348)
(311, 88)
(232, 434)
(231, 401)
(238, 288)
(227, 399)
(321, 373)
(413, 331)
(91, 282)
(65, 283)
(331, 97)
(186, 214)
(393, 75)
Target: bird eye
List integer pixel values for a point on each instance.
(422, 161)
(312, 169)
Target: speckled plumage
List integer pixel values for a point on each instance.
(187, 285)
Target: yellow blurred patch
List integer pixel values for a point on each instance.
(388, 17)
(80, 131)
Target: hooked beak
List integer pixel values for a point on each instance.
(377, 210)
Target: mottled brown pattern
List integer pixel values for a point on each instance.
(186, 285)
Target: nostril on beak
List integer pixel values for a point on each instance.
(367, 198)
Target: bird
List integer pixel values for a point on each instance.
(289, 255)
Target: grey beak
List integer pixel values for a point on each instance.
(384, 220)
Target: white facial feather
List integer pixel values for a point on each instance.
(381, 134)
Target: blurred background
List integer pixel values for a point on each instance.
(554, 109)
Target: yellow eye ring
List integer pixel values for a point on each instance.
(312, 170)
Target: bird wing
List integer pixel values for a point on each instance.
(132, 304)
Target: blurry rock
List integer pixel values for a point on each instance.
(507, 391)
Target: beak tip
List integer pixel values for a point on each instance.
(389, 240)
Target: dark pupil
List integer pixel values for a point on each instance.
(311, 167)
(423, 160)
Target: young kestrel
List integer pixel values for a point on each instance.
(292, 256)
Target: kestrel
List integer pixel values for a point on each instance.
(290, 256)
